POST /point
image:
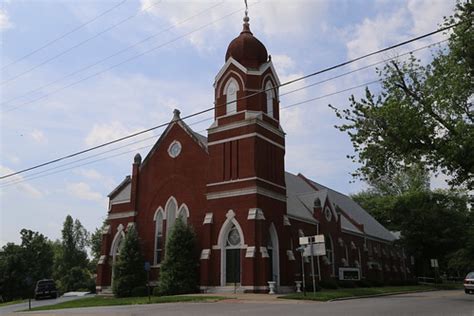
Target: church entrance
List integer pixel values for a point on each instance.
(232, 257)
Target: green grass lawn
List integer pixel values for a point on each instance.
(327, 295)
(12, 302)
(110, 301)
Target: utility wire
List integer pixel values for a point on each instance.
(65, 34)
(123, 62)
(211, 118)
(54, 169)
(107, 57)
(225, 103)
(76, 45)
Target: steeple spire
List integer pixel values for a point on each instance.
(246, 26)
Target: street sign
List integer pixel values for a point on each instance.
(318, 250)
(304, 240)
(311, 239)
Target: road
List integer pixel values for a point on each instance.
(426, 303)
(9, 309)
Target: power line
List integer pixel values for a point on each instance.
(124, 61)
(282, 108)
(76, 45)
(65, 34)
(224, 104)
(107, 57)
(41, 174)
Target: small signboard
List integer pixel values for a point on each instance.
(318, 250)
(304, 240)
(434, 263)
(147, 266)
(311, 239)
(349, 274)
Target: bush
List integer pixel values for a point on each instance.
(377, 283)
(139, 291)
(179, 270)
(129, 272)
(156, 291)
(347, 284)
(364, 283)
(328, 284)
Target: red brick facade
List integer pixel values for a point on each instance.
(232, 188)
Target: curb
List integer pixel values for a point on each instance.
(379, 295)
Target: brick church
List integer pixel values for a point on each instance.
(231, 186)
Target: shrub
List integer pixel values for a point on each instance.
(179, 269)
(156, 291)
(139, 291)
(328, 284)
(129, 272)
(364, 283)
(347, 284)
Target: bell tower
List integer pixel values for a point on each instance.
(246, 183)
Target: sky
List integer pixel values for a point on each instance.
(75, 74)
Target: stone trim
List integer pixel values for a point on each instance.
(255, 134)
(291, 255)
(286, 221)
(246, 191)
(246, 179)
(208, 218)
(205, 254)
(250, 252)
(255, 214)
(121, 215)
(264, 252)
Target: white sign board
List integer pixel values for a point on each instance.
(349, 274)
(312, 239)
(318, 250)
(434, 263)
(304, 240)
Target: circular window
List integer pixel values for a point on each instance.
(175, 149)
(233, 239)
(328, 214)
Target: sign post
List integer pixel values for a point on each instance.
(147, 269)
(301, 250)
(313, 246)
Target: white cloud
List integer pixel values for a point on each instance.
(105, 132)
(38, 136)
(4, 20)
(283, 63)
(89, 174)
(83, 191)
(18, 182)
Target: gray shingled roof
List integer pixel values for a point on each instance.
(301, 196)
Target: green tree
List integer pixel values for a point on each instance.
(22, 265)
(71, 267)
(129, 271)
(95, 243)
(423, 114)
(179, 270)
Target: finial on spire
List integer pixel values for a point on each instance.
(246, 17)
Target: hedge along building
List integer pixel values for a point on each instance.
(231, 186)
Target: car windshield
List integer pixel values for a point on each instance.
(470, 275)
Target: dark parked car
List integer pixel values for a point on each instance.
(46, 288)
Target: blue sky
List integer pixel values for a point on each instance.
(173, 68)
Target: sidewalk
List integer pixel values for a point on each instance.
(253, 297)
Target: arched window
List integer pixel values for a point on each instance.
(270, 96)
(231, 96)
(183, 213)
(158, 237)
(329, 251)
(171, 208)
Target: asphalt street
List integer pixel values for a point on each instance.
(426, 303)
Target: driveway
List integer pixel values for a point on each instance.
(9, 309)
(426, 303)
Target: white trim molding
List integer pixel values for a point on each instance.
(255, 134)
(246, 191)
(208, 218)
(250, 252)
(121, 215)
(205, 254)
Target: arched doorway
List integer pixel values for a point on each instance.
(232, 256)
(115, 249)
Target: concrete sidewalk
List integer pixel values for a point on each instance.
(253, 297)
